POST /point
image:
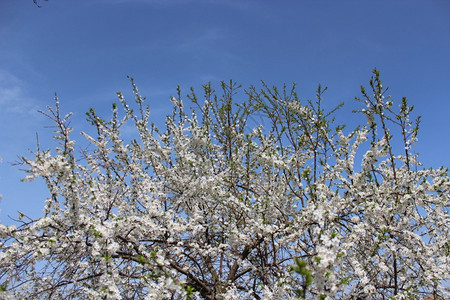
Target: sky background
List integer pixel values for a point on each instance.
(84, 50)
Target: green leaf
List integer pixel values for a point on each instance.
(141, 259)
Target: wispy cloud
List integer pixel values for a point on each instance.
(208, 42)
(201, 39)
(13, 97)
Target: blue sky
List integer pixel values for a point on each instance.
(83, 50)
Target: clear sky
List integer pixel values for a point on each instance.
(84, 49)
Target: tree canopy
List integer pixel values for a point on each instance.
(211, 207)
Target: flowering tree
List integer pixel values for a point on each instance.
(213, 208)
